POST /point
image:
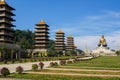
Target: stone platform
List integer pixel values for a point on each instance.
(103, 51)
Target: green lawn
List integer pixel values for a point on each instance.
(57, 77)
(110, 62)
(80, 72)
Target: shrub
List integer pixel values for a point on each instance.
(41, 64)
(69, 62)
(34, 67)
(56, 64)
(19, 69)
(53, 64)
(5, 71)
(62, 62)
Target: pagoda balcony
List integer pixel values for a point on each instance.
(3, 20)
(3, 27)
(4, 14)
(37, 34)
(60, 35)
(60, 40)
(6, 40)
(41, 30)
(5, 9)
(41, 27)
(5, 33)
(41, 41)
(70, 44)
(59, 47)
(40, 45)
(43, 38)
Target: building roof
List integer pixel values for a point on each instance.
(59, 31)
(3, 2)
(70, 36)
(42, 22)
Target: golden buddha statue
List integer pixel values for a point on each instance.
(102, 42)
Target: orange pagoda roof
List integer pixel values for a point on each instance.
(42, 22)
(70, 36)
(59, 31)
(3, 2)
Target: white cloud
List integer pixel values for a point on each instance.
(91, 42)
(103, 23)
(88, 30)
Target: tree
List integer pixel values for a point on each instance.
(51, 50)
(118, 53)
(24, 38)
(3, 50)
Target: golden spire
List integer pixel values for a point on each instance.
(42, 22)
(2, 2)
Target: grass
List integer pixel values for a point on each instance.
(80, 72)
(58, 77)
(106, 62)
(92, 68)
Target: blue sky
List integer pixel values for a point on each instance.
(86, 20)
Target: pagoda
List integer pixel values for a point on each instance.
(41, 37)
(7, 33)
(6, 30)
(70, 43)
(59, 42)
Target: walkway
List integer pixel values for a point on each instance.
(28, 65)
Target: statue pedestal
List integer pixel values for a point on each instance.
(103, 51)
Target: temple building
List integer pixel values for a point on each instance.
(7, 45)
(6, 30)
(41, 37)
(70, 43)
(102, 49)
(59, 42)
